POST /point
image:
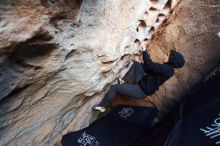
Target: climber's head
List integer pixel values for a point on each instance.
(176, 60)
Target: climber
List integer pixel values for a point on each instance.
(143, 85)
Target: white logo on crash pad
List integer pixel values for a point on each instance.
(87, 140)
(212, 74)
(126, 112)
(213, 131)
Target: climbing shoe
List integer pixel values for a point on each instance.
(121, 81)
(99, 108)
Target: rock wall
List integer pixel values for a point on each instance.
(193, 30)
(58, 58)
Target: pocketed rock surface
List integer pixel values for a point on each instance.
(58, 58)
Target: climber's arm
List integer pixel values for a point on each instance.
(150, 66)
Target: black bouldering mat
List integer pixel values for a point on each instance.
(121, 127)
(196, 124)
(200, 115)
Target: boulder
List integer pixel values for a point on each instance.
(58, 58)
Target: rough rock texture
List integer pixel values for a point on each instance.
(57, 58)
(193, 29)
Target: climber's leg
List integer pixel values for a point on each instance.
(135, 73)
(133, 91)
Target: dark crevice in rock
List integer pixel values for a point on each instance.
(168, 5)
(136, 41)
(13, 94)
(152, 29)
(69, 11)
(34, 48)
(145, 14)
(146, 39)
(109, 62)
(152, 9)
(26, 59)
(161, 15)
(58, 17)
(142, 26)
(70, 54)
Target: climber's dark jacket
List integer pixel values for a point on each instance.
(156, 75)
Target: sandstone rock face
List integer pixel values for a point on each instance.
(193, 30)
(58, 58)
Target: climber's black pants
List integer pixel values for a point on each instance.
(135, 73)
